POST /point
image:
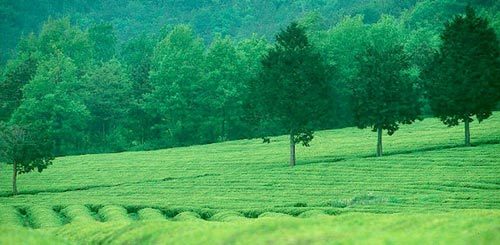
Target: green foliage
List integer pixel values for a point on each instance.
(312, 214)
(383, 94)
(340, 46)
(103, 40)
(292, 87)
(78, 213)
(350, 228)
(16, 235)
(107, 94)
(43, 217)
(51, 101)
(272, 215)
(26, 146)
(224, 90)
(9, 216)
(248, 176)
(114, 213)
(431, 14)
(226, 216)
(59, 36)
(438, 175)
(190, 83)
(150, 214)
(187, 216)
(176, 73)
(464, 77)
(136, 56)
(17, 73)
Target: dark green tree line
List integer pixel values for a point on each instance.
(93, 93)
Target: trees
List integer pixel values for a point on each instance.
(26, 147)
(383, 94)
(340, 46)
(292, 87)
(18, 73)
(103, 40)
(252, 50)
(177, 91)
(177, 70)
(463, 80)
(136, 56)
(52, 98)
(224, 88)
(59, 36)
(106, 92)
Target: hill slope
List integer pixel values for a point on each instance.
(98, 197)
(424, 167)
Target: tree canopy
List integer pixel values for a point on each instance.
(26, 147)
(292, 87)
(383, 92)
(102, 80)
(464, 77)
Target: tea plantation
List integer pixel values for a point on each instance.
(426, 188)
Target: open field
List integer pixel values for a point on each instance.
(426, 185)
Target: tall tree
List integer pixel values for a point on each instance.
(176, 73)
(383, 94)
(25, 147)
(59, 36)
(340, 46)
(252, 50)
(18, 72)
(224, 87)
(463, 80)
(53, 98)
(107, 94)
(137, 56)
(293, 86)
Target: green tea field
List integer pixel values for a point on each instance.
(426, 188)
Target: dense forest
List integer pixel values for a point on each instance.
(104, 76)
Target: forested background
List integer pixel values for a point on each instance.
(116, 75)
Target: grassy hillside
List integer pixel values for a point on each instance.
(424, 165)
(425, 170)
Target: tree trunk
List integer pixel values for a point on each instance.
(467, 132)
(379, 141)
(14, 179)
(292, 151)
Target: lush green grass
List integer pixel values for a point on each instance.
(425, 169)
(464, 227)
(337, 170)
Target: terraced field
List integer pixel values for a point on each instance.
(234, 191)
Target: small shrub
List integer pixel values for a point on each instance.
(299, 204)
(78, 213)
(114, 213)
(150, 214)
(187, 216)
(227, 216)
(338, 203)
(273, 214)
(312, 214)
